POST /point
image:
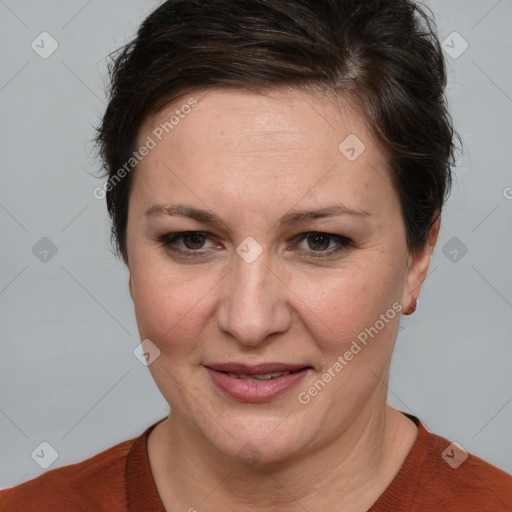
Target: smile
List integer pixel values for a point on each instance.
(256, 384)
(264, 376)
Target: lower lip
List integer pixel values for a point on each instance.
(255, 391)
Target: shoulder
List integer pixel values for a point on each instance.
(91, 485)
(452, 479)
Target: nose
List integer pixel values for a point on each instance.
(255, 302)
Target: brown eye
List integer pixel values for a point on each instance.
(319, 242)
(194, 240)
(186, 242)
(324, 244)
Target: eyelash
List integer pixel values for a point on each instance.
(168, 240)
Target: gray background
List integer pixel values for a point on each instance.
(68, 375)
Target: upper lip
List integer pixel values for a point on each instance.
(255, 369)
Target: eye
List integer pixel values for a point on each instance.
(186, 242)
(322, 244)
(194, 240)
(192, 243)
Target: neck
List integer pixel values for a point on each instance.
(348, 473)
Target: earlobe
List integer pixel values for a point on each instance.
(418, 269)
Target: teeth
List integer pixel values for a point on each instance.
(264, 376)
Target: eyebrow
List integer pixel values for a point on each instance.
(291, 218)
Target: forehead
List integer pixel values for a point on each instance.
(286, 143)
(256, 119)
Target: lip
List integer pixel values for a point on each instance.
(253, 391)
(255, 369)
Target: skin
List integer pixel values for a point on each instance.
(250, 159)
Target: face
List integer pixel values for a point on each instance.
(255, 285)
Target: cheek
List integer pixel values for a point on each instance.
(169, 303)
(346, 305)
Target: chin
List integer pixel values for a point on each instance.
(257, 440)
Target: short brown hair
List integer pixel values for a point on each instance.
(383, 55)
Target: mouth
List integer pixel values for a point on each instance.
(256, 383)
(261, 376)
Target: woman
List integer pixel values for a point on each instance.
(276, 175)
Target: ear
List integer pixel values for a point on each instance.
(130, 285)
(418, 267)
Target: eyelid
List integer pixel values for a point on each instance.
(168, 239)
(343, 243)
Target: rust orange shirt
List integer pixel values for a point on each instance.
(119, 479)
